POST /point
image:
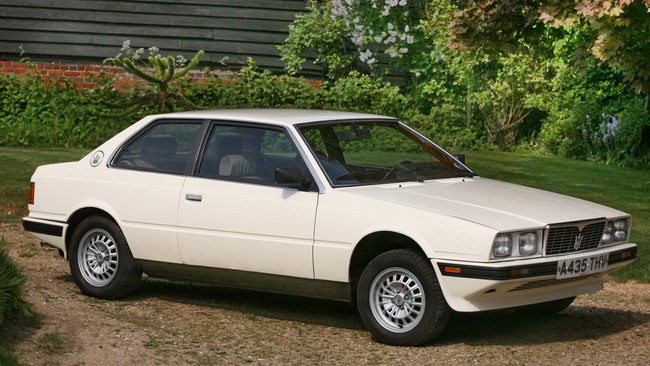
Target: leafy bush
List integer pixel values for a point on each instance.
(446, 126)
(11, 289)
(315, 31)
(38, 112)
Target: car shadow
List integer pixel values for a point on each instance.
(503, 327)
(276, 306)
(510, 328)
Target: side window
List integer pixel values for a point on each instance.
(247, 153)
(165, 147)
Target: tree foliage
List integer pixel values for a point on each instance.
(618, 31)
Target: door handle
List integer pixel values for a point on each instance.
(193, 197)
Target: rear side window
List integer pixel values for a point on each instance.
(165, 147)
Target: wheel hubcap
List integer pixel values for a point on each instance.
(397, 300)
(97, 257)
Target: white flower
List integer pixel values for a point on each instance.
(390, 26)
(417, 74)
(357, 38)
(410, 39)
(403, 2)
(403, 50)
(392, 53)
(371, 61)
(364, 56)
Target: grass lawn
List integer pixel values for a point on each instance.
(625, 189)
(16, 168)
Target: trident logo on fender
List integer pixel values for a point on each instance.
(578, 242)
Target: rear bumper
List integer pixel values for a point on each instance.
(470, 287)
(51, 232)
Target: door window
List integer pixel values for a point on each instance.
(248, 153)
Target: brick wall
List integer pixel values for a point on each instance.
(84, 75)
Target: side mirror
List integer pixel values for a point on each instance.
(293, 177)
(460, 157)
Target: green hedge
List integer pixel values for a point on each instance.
(35, 112)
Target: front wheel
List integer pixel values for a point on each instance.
(400, 300)
(101, 261)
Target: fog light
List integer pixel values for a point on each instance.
(502, 246)
(528, 243)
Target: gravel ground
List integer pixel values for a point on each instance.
(169, 323)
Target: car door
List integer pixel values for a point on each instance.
(232, 215)
(145, 183)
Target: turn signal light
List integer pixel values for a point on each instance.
(32, 192)
(519, 272)
(452, 270)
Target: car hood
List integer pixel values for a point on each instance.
(495, 204)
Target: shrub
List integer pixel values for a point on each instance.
(38, 112)
(11, 289)
(446, 126)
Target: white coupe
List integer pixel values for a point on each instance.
(346, 206)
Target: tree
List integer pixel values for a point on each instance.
(618, 30)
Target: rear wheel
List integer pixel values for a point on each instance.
(101, 261)
(400, 300)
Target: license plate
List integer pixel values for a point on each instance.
(582, 266)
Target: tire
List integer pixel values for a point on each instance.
(547, 308)
(100, 260)
(400, 301)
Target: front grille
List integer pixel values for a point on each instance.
(574, 237)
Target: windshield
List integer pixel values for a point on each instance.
(354, 153)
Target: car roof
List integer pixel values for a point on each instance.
(275, 116)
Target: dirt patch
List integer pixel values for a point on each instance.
(169, 323)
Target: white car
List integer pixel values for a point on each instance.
(345, 206)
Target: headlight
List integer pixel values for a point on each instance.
(502, 246)
(517, 244)
(528, 243)
(616, 231)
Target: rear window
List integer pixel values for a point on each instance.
(165, 147)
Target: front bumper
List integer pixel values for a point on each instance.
(470, 287)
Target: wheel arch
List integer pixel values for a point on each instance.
(375, 244)
(78, 216)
